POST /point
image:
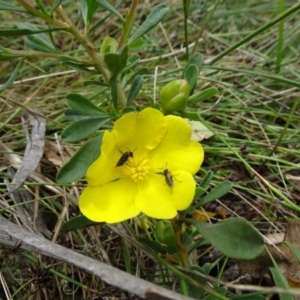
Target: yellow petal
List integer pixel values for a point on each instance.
(140, 131)
(104, 170)
(157, 199)
(111, 203)
(177, 151)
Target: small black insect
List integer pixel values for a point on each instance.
(168, 178)
(124, 158)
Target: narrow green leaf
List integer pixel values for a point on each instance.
(203, 95)
(88, 8)
(135, 88)
(12, 77)
(294, 250)
(17, 32)
(131, 62)
(76, 167)
(281, 282)
(155, 16)
(207, 179)
(74, 115)
(114, 93)
(141, 71)
(81, 129)
(235, 237)
(217, 192)
(136, 44)
(191, 76)
(7, 6)
(37, 41)
(191, 115)
(110, 8)
(116, 62)
(199, 191)
(128, 109)
(84, 106)
(54, 6)
(195, 59)
(77, 223)
(80, 67)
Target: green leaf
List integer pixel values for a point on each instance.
(217, 192)
(207, 179)
(281, 282)
(191, 76)
(131, 62)
(80, 67)
(37, 41)
(294, 250)
(7, 6)
(156, 246)
(110, 8)
(136, 44)
(88, 8)
(199, 191)
(54, 6)
(114, 93)
(191, 115)
(74, 115)
(84, 106)
(203, 95)
(76, 167)
(12, 77)
(81, 129)
(155, 16)
(141, 71)
(135, 88)
(17, 32)
(77, 223)
(128, 109)
(235, 237)
(195, 59)
(116, 62)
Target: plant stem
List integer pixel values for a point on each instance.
(128, 23)
(40, 14)
(181, 251)
(183, 255)
(84, 41)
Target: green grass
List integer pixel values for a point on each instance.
(257, 74)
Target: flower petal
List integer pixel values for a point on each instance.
(157, 199)
(177, 151)
(103, 170)
(109, 203)
(141, 131)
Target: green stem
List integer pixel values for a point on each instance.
(256, 32)
(84, 41)
(40, 14)
(128, 24)
(183, 259)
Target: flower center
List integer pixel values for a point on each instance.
(136, 168)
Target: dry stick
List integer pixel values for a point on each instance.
(11, 233)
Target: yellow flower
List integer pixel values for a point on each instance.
(148, 143)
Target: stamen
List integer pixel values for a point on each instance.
(136, 168)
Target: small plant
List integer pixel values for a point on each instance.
(141, 156)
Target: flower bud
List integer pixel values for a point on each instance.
(174, 96)
(164, 233)
(108, 45)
